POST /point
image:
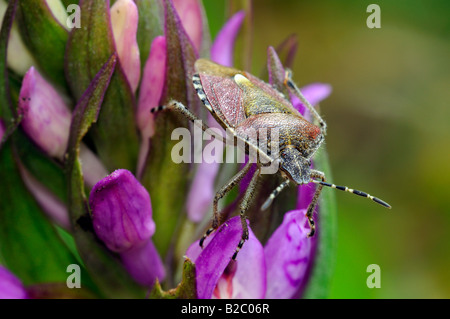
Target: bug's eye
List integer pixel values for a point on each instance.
(295, 166)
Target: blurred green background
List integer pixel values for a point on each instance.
(388, 131)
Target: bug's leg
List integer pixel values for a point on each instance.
(220, 194)
(293, 87)
(181, 109)
(243, 208)
(313, 204)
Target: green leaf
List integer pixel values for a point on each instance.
(149, 26)
(320, 281)
(29, 245)
(186, 289)
(162, 177)
(114, 135)
(44, 169)
(45, 38)
(105, 269)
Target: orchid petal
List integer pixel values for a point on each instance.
(201, 191)
(46, 117)
(93, 168)
(124, 21)
(190, 13)
(121, 211)
(144, 264)
(51, 205)
(247, 279)
(10, 286)
(314, 94)
(150, 93)
(2, 130)
(222, 48)
(288, 255)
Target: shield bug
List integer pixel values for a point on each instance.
(241, 102)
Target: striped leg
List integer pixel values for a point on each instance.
(246, 201)
(180, 108)
(219, 195)
(313, 204)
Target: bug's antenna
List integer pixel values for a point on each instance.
(274, 194)
(354, 191)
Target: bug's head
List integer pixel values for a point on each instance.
(295, 165)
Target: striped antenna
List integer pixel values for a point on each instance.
(354, 191)
(274, 194)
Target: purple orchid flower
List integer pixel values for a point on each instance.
(119, 204)
(122, 219)
(10, 286)
(277, 270)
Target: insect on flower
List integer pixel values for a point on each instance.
(241, 102)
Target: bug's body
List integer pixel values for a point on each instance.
(241, 102)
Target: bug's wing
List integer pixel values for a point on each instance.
(259, 97)
(224, 96)
(236, 95)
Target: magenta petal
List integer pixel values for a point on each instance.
(93, 168)
(124, 21)
(215, 257)
(314, 94)
(121, 211)
(150, 92)
(222, 48)
(201, 192)
(190, 13)
(305, 195)
(10, 286)
(46, 117)
(2, 129)
(247, 279)
(152, 84)
(55, 209)
(288, 255)
(144, 264)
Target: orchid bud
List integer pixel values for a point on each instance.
(46, 117)
(124, 21)
(122, 219)
(121, 211)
